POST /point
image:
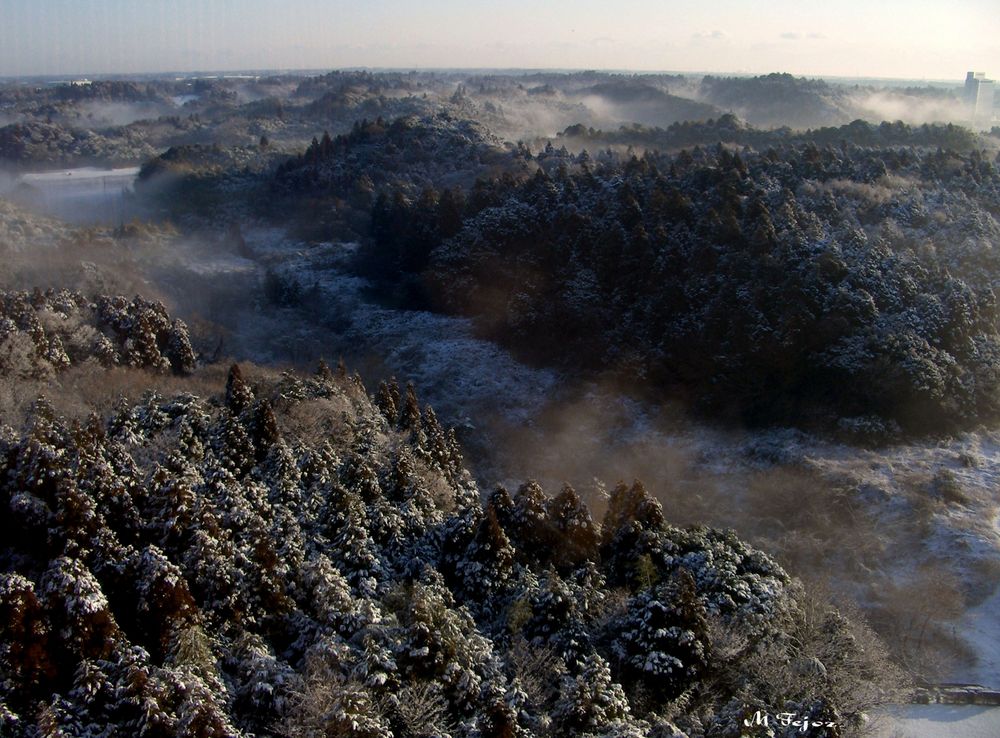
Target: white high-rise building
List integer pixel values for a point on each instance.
(979, 93)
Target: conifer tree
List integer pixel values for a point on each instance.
(239, 396)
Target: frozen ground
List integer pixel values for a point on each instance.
(980, 625)
(908, 532)
(455, 371)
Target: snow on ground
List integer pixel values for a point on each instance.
(69, 176)
(220, 264)
(980, 625)
(942, 721)
(454, 370)
(962, 530)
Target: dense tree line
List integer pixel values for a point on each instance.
(729, 129)
(841, 285)
(328, 190)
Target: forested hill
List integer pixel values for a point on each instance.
(291, 557)
(776, 99)
(729, 129)
(409, 153)
(849, 287)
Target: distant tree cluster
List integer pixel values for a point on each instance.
(107, 91)
(408, 153)
(207, 181)
(729, 129)
(329, 189)
(40, 142)
(293, 558)
(845, 286)
(775, 99)
(190, 158)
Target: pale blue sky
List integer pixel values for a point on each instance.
(890, 38)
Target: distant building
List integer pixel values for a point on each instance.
(979, 97)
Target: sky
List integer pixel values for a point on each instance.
(913, 39)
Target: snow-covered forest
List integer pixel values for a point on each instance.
(289, 556)
(710, 370)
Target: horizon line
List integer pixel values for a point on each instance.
(305, 71)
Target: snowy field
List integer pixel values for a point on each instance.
(83, 175)
(83, 195)
(942, 721)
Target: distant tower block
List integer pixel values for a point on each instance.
(979, 93)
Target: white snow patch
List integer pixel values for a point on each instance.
(69, 176)
(942, 721)
(980, 626)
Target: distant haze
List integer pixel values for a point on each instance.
(891, 38)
